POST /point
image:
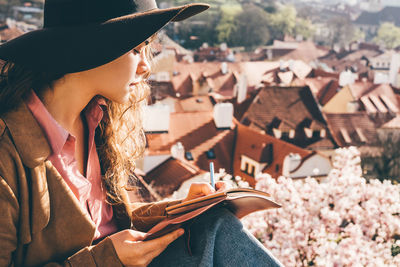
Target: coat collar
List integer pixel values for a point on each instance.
(27, 135)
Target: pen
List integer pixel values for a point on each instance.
(212, 174)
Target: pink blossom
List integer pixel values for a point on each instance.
(341, 221)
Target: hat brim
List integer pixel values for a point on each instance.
(74, 49)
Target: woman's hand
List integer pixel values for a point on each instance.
(203, 189)
(132, 251)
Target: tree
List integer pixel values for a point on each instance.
(304, 28)
(342, 31)
(251, 27)
(388, 35)
(227, 23)
(387, 165)
(282, 22)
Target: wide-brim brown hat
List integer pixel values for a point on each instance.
(83, 34)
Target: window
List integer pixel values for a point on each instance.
(188, 155)
(251, 171)
(211, 154)
(246, 167)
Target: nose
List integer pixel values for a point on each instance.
(143, 67)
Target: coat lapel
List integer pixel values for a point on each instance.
(46, 199)
(28, 137)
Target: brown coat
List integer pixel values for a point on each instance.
(41, 221)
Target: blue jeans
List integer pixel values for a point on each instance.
(217, 238)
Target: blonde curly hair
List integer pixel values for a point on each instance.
(120, 138)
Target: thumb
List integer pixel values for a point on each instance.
(136, 235)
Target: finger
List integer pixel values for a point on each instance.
(154, 247)
(221, 186)
(204, 188)
(136, 235)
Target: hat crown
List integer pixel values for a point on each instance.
(65, 13)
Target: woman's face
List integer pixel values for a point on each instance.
(117, 79)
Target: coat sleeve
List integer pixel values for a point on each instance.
(146, 215)
(9, 210)
(102, 254)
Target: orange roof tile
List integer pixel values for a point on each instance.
(324, 88)
(252, 143)
(194, 103)
(219, 82)
(185, 127)
(305, 51)
(6, 33)
(351, 128)
(359, 89)
(223, 149)
(167, 177)
(300, 69)
(392, 124)
(323, 144)
(286, 77)
(291, 105)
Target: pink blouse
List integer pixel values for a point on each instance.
(89, 190)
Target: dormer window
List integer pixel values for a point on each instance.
(250, 166)
(249, 169)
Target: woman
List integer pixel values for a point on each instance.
(70, 97)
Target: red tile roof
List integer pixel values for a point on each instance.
(210, 72)
(223, 149)
(306, 52)
(290, 105)
(167, 177)
(323, 144)
(392, 124)
(185, 127)
(6, 33)
(324, 88)
(352, 129)
(194, 103)
(356, 60)
(359, 89)
(252, 143)
(376, 98)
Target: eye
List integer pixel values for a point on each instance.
(140, 48)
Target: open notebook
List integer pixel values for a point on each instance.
(241, 201)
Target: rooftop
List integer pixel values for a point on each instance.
(352, 129)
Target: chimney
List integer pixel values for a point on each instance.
(241, 88)
(156, 118)
(178, 151)
(347, 77)
(224, 68)
(223, 47)
(281, 65)
(223, 115)
(394, 69)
